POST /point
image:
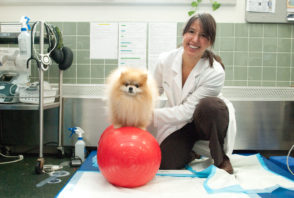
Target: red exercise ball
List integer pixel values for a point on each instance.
(128, 156)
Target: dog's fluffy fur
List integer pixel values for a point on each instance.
(131, 95)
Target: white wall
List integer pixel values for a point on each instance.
(115, 13)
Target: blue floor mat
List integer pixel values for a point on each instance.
(279, 192)
(281, 161)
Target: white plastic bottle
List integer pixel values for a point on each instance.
(24, 42)
(80, 144)
(80, 148)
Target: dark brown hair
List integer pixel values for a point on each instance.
(209, 29)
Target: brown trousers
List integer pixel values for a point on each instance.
(210, 122)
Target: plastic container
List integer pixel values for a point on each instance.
(24, 43)
(30, 94)
(80, 144)
(24, 38)
(80, 148)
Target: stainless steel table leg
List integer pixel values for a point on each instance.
(40, 161)
(60, 148)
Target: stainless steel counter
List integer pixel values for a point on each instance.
(265, 116)
(264, 125)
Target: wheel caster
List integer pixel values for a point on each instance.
(39, 166)
(60, 152)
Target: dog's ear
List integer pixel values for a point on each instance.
(144, 77)
(122, 74)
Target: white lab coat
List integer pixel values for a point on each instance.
(203, 81)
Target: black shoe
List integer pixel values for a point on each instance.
(226, 165)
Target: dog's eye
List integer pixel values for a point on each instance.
(126, 84)
(136, 85)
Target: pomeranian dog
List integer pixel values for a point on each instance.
(131, 97)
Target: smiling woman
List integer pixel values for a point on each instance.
(192, 79)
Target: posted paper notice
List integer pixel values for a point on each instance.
(162, 38)
(103, 40)
(132, 45)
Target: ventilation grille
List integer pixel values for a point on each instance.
(232, 93)
(259, 93)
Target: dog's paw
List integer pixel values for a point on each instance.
(142, 127)
(116, 126)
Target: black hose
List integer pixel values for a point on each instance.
(32, 48)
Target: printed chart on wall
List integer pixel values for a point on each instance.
(103, 40)
(132, 45)
(162, 38)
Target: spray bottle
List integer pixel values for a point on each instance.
(24, 42)
(80, 144)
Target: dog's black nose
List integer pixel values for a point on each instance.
(131, 89)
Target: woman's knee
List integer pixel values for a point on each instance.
(209, 110)
(210, 107)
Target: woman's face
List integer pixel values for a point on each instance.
(195, 41)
